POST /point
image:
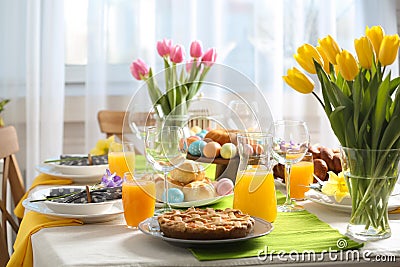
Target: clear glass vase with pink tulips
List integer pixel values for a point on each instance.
(183, 76)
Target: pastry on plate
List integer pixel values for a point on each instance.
(199, 190)
(187, 172)
(206, 224)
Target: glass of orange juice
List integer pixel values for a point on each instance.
(138, 197)
(121, 158)
(254, 191)
(301, 177)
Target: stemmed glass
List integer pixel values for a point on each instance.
(290, 144)
(165, 149)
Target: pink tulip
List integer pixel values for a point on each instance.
(139, 69)
(176, 54)
(209, 57)
(196, 49)
(164, 47)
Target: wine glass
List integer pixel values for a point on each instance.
(290, 144)
(165, 150)
(141, 116)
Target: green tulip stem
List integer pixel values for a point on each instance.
(319, 99)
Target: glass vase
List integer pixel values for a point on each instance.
(181, 120)
(370, 176)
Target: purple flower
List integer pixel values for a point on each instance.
(111, 179)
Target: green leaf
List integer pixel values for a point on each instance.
(337, 124)
(394, 84)
(341, 98)
(391, 134)
(380, 111)
(325, 87)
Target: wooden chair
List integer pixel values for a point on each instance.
(111, 122)
(11, 177)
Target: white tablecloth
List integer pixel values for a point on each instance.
(113, 244)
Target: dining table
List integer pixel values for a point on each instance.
(111, 243)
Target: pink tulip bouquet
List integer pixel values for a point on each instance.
(182, 81)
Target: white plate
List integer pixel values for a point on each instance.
(79, 170)
(151, 227)
(322, 199)
(83, 178)
(197, 203)
(73, 208)
(40, 207)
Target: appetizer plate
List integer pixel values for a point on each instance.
(73, 208)
(197, 203)
(77, 178)
(79, 170)
(344, 206)
(151, 227)
(114, 212)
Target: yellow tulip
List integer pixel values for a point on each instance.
(324, 58)
(365, 52)
(388, 49)
(347, 65)
(330, 47)
(336, 186)
(299, 81)
(375, 35)
(305, 55)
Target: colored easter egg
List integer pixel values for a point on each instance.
(195, 129)
(201, 135)
(196, 148)
(175, 195)
(258, 149)
(228, 151)
(191, 139)
(248, 149)
(224, 186)
(212, 150)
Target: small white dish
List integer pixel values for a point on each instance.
(115, 212)
(344, 206)
(73, 208)
(151, 227)
(196, 203)
(79, 170)
(81, 178)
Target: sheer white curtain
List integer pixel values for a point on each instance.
(258, 38)
(32, 70)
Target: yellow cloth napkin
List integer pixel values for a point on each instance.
(41, 179)
(33, 222)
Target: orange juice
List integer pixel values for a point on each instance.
(301, 176)
(121, 162)
(138, 199)
(254, 194)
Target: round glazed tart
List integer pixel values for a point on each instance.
(206, 224)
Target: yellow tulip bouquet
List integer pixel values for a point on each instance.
(362, 103)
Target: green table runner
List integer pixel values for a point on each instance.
(293, 232)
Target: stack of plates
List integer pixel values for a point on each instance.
(88, 213)
(78, 174)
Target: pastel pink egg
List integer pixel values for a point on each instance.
(224, 186)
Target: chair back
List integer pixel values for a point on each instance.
(111, 122)
(11, 181)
